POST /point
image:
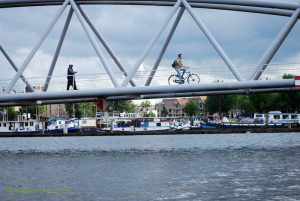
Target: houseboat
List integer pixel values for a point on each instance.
(58, 124)
(256, 122)
(31, 126)
(116, 125)
(151, 124)
(88, 124)
(277, 116)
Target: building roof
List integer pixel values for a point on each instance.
(182, 101)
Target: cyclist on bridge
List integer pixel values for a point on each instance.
(179, 67)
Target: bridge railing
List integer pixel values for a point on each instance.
(102, 80)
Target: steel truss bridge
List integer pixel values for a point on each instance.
(246, 84)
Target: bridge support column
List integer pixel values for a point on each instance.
(61, 40)
(271, 51)
(95, 45)
(36, 47)
(150, 45)
(16, 68)
(212, 41)
(106, 46)
(152, 73)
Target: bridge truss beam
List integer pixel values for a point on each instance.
(150, 91)
(123, 92)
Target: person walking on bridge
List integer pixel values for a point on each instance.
(71, 78)
(179, 67)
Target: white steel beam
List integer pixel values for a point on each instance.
(213, 41)
(162, 52)
(105, 44)
(95, 45)
(271, 51)
(28, 85)
(61, 40)
(150, 45)
(36, 47)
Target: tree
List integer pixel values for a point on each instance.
(157, 104)
(191, 108)
(79, 110)
(122, 106)
(226, 102)
(10, 113)
(146, 103)
(288, 101)
(243, 102)
(33, 110)
(151, 114)
(164, 112)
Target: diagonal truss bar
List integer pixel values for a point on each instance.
(105, 44)
(61, 40)
(95, 45)
(16, 68)
(271, 51)
(36, 47)
(213, 41)
(150, 45)
(152, 73)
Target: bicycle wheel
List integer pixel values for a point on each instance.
(193, 79)
(173, 79)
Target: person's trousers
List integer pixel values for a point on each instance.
(179, 74)
(71, 83)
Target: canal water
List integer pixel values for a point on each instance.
(161, 167)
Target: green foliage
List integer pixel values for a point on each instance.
(152, 114)
(157, 105)
(264, 102)
(34, 110)
(146, 103)
(122, 106)
(191, 108)
(213, 103)
(243, 102)
(287, 76)
(79, 110)
(164, 112)
(10, 113)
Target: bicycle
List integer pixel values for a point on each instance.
(191, 78)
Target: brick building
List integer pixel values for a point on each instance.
(175, 106)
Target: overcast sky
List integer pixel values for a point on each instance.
(128, 29)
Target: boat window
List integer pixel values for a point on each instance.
(0, 124)
(84, 122)
(31, 123)
(26, 123)
(285, 116)
(4, 125)
(158, 124)
(59, 122)
(294, 116)
(276, 116)
(259, 115)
